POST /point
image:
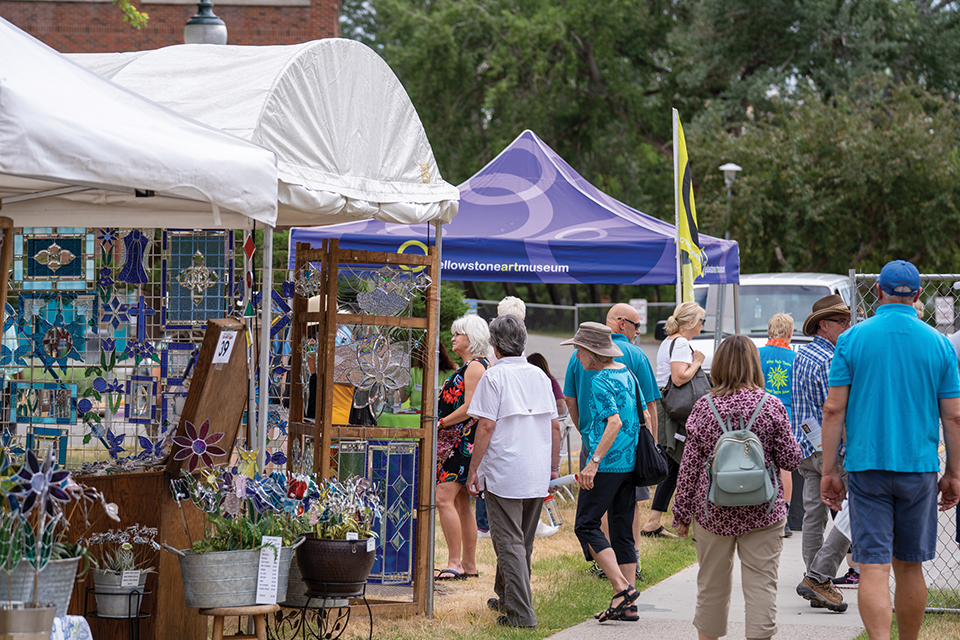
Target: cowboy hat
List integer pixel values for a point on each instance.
(825, 308)
(596, 338)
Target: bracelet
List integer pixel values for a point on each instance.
(554, 468)
(440, 422)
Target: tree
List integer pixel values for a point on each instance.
(132, 15)
(853, 181)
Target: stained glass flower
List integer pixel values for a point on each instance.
(108, 344)
(105, 280)
(40, 484)
(198, 445)
(113, 443)
(383, 368)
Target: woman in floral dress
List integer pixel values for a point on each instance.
(455, 434)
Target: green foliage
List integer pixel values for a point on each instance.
(452, 306)
(853, 181)
(225, 533)
(132, 15)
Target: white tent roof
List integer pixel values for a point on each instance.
(349, 143)
(75, 150)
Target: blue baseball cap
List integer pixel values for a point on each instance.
(899, 278)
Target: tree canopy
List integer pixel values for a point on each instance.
(823, 102)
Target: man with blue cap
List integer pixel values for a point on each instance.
(893, 379)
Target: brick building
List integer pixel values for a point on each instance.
(96, 26)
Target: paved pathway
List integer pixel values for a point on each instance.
(666, 609)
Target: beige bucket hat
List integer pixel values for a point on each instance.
(597, 338)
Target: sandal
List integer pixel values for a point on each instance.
(659, 532)
(614, 612)
(630, 614)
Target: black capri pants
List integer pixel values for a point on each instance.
(613, 494)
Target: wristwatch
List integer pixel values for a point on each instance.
(596, 459)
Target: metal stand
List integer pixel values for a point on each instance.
(330, 616)
(134, 601)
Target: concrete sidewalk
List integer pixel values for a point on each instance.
(666, 609)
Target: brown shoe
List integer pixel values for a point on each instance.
(822, 593)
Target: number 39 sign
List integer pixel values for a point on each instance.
(224, 347)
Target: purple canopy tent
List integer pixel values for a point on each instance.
(529, 217)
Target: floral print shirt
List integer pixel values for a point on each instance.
(772, 427)
(455, 437)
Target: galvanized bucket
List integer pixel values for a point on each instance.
(114, 600)
(24, 623)
(227, 578)
(56, 583)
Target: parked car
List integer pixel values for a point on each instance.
(761, 296)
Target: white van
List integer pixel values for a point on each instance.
(761, 296)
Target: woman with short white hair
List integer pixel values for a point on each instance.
(455, 435)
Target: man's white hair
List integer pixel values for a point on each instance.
(512, 306)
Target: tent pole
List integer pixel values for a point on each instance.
(676, 199)
(251, 329)
(266, 310)
(432, 547)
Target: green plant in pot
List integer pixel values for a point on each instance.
(32, 520)
(340, 548)
(240, 508)
(123, 559)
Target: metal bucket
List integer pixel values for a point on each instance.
(56, 583)
(227, 578)
(26, 623)
(113, 600)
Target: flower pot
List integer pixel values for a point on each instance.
(114, 600)
(56, 583)
(334, 568)
(227, 578)
(19, 621)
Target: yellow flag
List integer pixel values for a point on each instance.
(689, 237)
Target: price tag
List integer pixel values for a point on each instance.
(130, 579)
(221, 354)
(352, 535)
(269, 572)
(371, 544)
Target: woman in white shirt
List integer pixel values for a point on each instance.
(676, 361)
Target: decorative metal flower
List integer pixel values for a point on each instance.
(141, 350)
(39, 485)
(113, 443)
(115, 313)
(198, 446)
(150, 448)
(383, 368)
(105, 280)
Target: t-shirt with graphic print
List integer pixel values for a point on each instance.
(614, 392)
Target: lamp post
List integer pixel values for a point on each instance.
(205, 27)
(729, 175)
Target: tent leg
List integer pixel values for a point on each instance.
(266, 310)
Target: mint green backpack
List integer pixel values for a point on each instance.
(737, 470)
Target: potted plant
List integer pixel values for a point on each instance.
(32, 497)
(123, 559)
(339, 549)
(240, 507)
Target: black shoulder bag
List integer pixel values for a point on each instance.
(651, 465)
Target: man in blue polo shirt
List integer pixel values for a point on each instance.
(892, 380)
(624, 322)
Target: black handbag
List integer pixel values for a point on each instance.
(651, 465)
(678, 401)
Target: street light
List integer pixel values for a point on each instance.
(205, 27)
(730, 171)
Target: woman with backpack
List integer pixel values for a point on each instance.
(728, 495)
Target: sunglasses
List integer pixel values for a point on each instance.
(636, 325)
(842, 323)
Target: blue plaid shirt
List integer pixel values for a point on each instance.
(811, 377)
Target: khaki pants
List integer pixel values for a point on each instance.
(759, 552)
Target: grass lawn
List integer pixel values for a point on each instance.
(565, 593)
(936, 626)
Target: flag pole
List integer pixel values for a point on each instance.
(676, 198)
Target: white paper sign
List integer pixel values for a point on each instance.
(269, 575)
(842, 521)
(221, 354)
(130, 579)
(352, 535)
(371, 544)
(811, 431)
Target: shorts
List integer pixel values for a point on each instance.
(893, 514)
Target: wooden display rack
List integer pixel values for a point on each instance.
(328, 258)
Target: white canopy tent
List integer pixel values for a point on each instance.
(76, 149)
(349, 143)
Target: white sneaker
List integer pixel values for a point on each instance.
(546, 530)
(483, 534)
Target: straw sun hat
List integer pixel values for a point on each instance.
(597, 338)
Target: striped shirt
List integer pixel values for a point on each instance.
(811, 376)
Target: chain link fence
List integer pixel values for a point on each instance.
(563, 320)
(938, 307)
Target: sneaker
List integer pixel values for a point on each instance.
(787, 532)
(545, 530)
(504, 621)
(823, 592)
(595, 570)
(849, 580)
(494, 604)
(483, 533)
